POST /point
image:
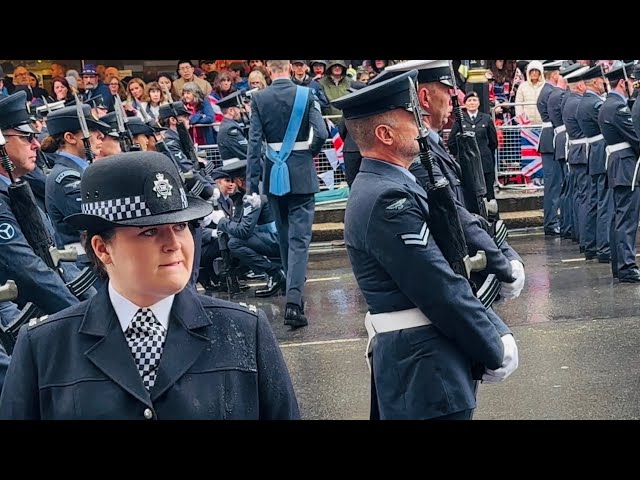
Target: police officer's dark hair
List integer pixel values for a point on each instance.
(107, 236)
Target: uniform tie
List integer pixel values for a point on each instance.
(145, 337)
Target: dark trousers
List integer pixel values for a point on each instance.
(294, 218)
(490, 180)
(210, 251)
(258, 252)
(626, 227)
(598, 221)
(552, 171)
(581, 196)
(566, 204)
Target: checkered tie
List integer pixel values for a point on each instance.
(145, 337)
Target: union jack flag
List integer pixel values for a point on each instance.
(531, 160)
(338, 144)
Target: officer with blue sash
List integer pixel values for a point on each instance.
(599, 204)
(287, 116)
(621, 155)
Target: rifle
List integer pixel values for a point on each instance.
(469, 159)
(444, 222)
(9, 333)
(223, 265)
(124, 134)
(606, 87)
(85, 130)
(28, 215)
(630, 101)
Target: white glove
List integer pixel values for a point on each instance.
(509, 362)
(214, 217)
(512, 290)
(214, 233)
(216, 195)
(254, 200)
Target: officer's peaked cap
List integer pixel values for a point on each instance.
(428, 70)
(134, 189)
(14, 113)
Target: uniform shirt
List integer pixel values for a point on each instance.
(125, 309)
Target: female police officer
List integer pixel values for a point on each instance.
(146, 346)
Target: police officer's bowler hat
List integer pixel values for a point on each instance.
(134, 189)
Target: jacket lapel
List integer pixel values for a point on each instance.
(185, 341)
(111, 354)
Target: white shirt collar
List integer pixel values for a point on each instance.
(473, 115)
(126, 309)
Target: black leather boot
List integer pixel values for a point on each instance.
(294, 317)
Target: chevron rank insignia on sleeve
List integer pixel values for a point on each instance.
(417, 238)
(397, 205)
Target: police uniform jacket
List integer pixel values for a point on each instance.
(270, 113)
(219, 361)
(251, 221)
(63, 196)
(486, 137)
(36, 282)
(616, 125)
(546, 136)
(577, 153)
(554, 109)
(431, 365)
(587, 116)
(231, 141)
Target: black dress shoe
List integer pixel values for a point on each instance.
(582, 249)
(276, 283)
(552, 233)
(251, 275)
(632, 276)
(604, 259)
(294, 317)
(590, 255)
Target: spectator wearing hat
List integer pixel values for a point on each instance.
(186, 70)
(37, 283)
(144, 342)
(335, 84)
(300, 76)
(473, 120)
(318, 68)
(93, 86)
(207, 65)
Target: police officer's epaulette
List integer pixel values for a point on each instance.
(251, 308)
(34, 322)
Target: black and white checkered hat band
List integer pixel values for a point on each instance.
(118, 208)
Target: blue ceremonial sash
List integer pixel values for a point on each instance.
(279, 179)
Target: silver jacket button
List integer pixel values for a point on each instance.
(148, 414)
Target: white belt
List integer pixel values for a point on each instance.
(547, 124)
(78, 246)
(595, 139)
(560, 129)
(616, 147)
(391, 322)
(578, 141)
(296, 146)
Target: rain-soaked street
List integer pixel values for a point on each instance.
(577, 334)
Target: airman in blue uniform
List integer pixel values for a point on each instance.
(425, 325)
(621, 156)
(36, 282)
(290, 177)
(599, 203)
(232, 142)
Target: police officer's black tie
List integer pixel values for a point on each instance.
(145, 337)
